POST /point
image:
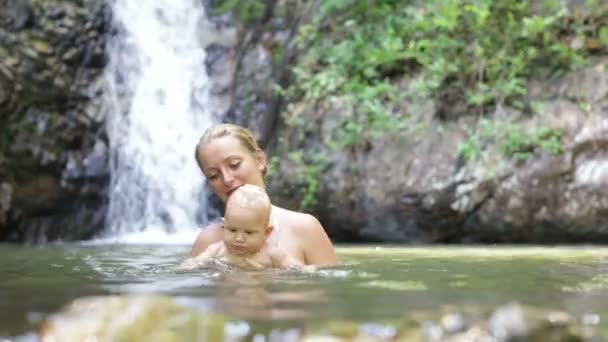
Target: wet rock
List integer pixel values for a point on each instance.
(588, 85)
(41, 46)
(135, 318)
(38, 195)
(72, 56)
(96, 163)
(6, 194)
(49, 61)
(557, 327)
(5, 92)
(508, 323)
(150, 317)
(431, 331)
(17, 15)
(343, 329)
(453, 323)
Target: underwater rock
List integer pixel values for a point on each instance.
(130, 318)
(159, 318)
(508, 323)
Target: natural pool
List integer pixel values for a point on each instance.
(375, 284)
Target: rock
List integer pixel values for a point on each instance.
(43, 77)
(29, 52)
(19, 14)
(6, 193)
(96, 163)
(5, 92)
(131, 318)
(343, 329)
(508, 323)
(41, 46)
(6, 72)
(453, 323)
(37, 195)
(556, 327)
(10, 62)
(72, 56)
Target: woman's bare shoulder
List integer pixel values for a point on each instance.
(301, 222)
(210, 234)
(312, 238)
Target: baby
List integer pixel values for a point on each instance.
(246, 225)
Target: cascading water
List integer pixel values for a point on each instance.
(157, 91)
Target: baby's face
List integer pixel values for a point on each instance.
(245, 231)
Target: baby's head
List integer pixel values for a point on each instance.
(246, 220)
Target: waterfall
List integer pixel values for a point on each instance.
(157, 92)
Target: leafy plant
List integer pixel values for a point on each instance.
(487, 48)
(246, 11)
(513, 140)
(310, 169)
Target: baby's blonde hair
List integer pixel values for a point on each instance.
(251, 196)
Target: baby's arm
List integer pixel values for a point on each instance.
(213, 251)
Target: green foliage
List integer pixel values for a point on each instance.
(309, 171)
(379, 58)
(513, 140)
(272, 167)
(246, 11)
(487, 48)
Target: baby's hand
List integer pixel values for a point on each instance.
(204, 259)
(186, 265)
(191, 264)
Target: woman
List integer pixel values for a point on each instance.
(229, 157)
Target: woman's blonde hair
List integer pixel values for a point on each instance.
(243, 135)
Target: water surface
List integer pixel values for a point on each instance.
(375, 284)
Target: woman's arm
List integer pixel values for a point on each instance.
(212, 233)
(317, 247)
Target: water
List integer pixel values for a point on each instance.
(375, 284)
(158, 105)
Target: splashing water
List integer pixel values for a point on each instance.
(158, 106)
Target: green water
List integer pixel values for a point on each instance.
(375, 283)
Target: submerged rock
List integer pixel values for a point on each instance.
(123, 318)
(159, 318)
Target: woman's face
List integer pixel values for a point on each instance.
(227, 165)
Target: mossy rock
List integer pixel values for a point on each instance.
(131, 318)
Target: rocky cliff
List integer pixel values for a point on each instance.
(53, 166)
(406, 186)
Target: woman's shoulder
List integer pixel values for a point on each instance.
(301, 222)
(310, 236)
(210, 234)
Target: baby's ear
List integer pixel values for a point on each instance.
(223, 222)
(268, 229)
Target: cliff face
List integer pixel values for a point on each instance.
(53, 166)
(403, 186)
(416, 188)
(414, 185)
